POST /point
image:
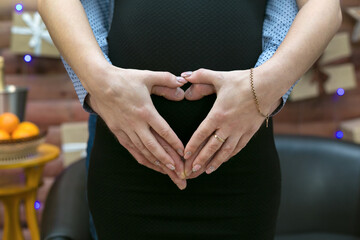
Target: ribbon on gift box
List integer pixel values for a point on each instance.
(36, 28)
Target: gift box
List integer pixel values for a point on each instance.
(327, 75)
(355, 13)
(351, 130)
(30, 36)
(74, 137)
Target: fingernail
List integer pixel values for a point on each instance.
(181, 80)
(186, 74)
(178, 92)
(157, 163)
(210, 170)
(170, 166)
(180, 152)
(183, 186)
(187, 155)
(196, 168)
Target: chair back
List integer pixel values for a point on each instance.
(320, 186)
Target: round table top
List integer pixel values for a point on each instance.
(45, 153)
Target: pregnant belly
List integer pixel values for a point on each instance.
(184, 116)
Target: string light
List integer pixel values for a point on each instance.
(37, 205)
(340, 91)
(27, 58)
(339, 134)
(19, 7)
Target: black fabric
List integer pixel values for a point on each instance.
(238, 201)
(317, 236)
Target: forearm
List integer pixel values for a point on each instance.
(72, 35)
(314, 26)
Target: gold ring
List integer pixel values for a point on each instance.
(219, 138)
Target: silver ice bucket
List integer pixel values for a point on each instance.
(13, 99)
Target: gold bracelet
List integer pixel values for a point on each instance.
(255, 98)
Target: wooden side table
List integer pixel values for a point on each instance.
(11, 196)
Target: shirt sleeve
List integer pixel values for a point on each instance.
(99, 14)
(279, 16)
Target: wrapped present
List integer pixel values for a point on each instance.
(338, 48)
(355, 13)
(340, 76)
(74, 138)
(327, 76)
(305, 88)
(30, 36)
(351, 130)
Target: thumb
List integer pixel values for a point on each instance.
(165, 79)
(202, 75)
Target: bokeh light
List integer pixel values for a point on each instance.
(37, 205)
(339, 134)
(340, 92)
(27, 58)
(19, 7)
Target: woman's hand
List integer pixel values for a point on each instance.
(234, 118)
(124, 102)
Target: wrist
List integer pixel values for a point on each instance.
(269, 89)
(100, 77)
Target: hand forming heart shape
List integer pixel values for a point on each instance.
(138, 126)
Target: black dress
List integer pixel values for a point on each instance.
(238, 201)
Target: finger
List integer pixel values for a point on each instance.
(222, 155)
(211, 147)
(202, 75)
(153, 146)
(164, 79)
(143, 150)
(206, 128)
(179, 164)
(173, 94)
(164, 130)
(126, 143)
(189, 162)
(198, 90)
(180, 183)
(241, 144)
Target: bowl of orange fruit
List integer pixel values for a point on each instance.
(18, 140)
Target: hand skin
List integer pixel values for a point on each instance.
(128, 92)
(114, 91)
(234, 116)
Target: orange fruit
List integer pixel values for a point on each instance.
(29, 127)
(18, 133)
(4, 135)
(25, 129)
(8, 122)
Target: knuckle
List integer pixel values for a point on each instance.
(141, 161)
(166, 76)
(139, 146)
(242, 144)
(164, 133)
(213, 147)
(150, 144)
(143, 113)
(227, 150)
(201, 72)
(202, 135)
(217, 116)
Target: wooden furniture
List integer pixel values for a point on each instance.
(12, 195)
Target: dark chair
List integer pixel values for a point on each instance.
(320, 194)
